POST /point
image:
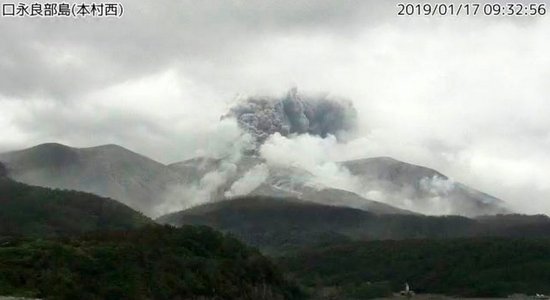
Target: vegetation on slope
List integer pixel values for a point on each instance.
(34, 211)
(327, 249)
(487, 267)
(3, 171)
(281, 224)
(154, 262)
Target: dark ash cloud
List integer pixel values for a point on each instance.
(294, 114)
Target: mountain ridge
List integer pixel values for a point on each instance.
(280, 224)
(402, 183)
(42, 212)
(155, 188)
(107, 170)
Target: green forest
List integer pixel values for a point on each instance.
(478, 267)
(38, 212)
(155, 262)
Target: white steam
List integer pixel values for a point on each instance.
(250, 181)
(311, 153)
(227, 143)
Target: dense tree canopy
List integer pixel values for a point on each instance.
(3, 170)
(34, 211)
(487, 267)
(151, 263)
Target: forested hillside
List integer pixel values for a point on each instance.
(151, 263)
(276, 224)
(34, 211)
(480, 267)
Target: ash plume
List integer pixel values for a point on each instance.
(294, 114)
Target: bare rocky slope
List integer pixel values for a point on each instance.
(421, 189)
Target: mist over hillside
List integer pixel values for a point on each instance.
(109, 171)
(155, 189)
(30, 211)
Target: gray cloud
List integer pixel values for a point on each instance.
(62, 58)
(294, 114)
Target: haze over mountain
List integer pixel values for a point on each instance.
(395, 186)
(154, 188)
(422, 189)
(39, 212)
(252, 176)
(109, 171)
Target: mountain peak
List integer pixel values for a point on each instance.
(107, 170)
(391, 166)
(50, 146)
(421, 189)
(60, 147)
(108, 147)
(43, 155)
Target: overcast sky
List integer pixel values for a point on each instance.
(466, 95)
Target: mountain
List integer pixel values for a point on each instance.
(194, 169)
(271, 222)
(149, 186)
(155, 262)
(329, 196)
(108, 171)
(280, 182)
(35, 211)
(292, 182)
(278, 224)
(420, 189)
(386, 186)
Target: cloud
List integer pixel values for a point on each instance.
(249, 181)
(64, 58)
(226, 143)
(294, 114)
(316, 155)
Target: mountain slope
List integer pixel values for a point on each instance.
(420, 189)
(271, 222)
(396, 187)
(280, 182)
(34, 211)
(328, 196)
(109, 171)
(276, 224)
(387, 186)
